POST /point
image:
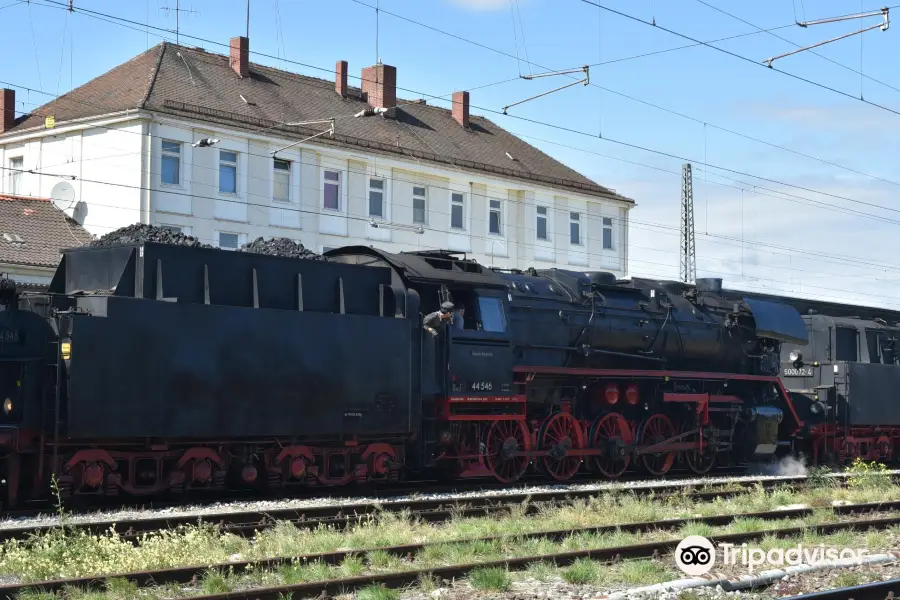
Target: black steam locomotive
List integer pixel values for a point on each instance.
(151, 368)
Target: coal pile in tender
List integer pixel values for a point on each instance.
(280, 247)
(140, 233)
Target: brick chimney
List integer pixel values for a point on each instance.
(461, 108)
(7, 109)
(239, 60)
(379, 83)
(340, 78)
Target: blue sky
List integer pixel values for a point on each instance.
(805, 238)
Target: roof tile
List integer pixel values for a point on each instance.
(201, 85)
(43, 229)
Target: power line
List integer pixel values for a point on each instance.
(755, 188)
(394, 203)
(741, 57)
(784, 39)
(651, 104)
(696, 43)
(615, 141)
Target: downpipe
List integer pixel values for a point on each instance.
(763, 578)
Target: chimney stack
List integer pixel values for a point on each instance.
(379, 83)
(340, 78)
(461, 108)
(7, 109)
(240, 56)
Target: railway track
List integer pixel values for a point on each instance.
(340, 516)
(184, 575)
(368, 491)
(881, 590)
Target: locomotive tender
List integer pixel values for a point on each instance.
(150, 368)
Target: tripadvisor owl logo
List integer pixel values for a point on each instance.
(695, 555)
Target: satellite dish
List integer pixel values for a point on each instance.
(63, 196)
(80, 212)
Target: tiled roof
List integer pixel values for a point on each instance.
(199, 85)
(33, 230)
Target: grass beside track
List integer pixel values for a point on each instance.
(60, 554)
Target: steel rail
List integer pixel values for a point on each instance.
(385, 491)
(880, 590)
(189, 574)
(433, 510)
(382, 491)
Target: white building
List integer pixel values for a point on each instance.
(412, 178)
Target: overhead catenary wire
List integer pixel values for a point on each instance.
(431, 210)
(697, 42)
(755, 187)
(784, 39)
(741, 57)
(523, 244)
(657, 106)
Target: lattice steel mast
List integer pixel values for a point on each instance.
(688, 249)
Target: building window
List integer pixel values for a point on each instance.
(456, 211)
(607, 233)
(282, 177)
(494, 217)
(418, 204)
(15, 175)
(177, 228)
(171, 162)
(575, 228)
(331, 190)
(230, 241)
(542, 222)
(227, 172)
(376, 197)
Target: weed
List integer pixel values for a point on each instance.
(582, 571)
(377, 592)
(864, 474)
(493, 579)
(847, 579)
(541, 571)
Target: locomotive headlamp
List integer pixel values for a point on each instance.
(795, 356)
(65, 348)
(7, 405)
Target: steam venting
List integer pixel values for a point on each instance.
(789, 466)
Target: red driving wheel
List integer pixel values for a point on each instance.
(504, 437)
(654, 430)
(612, 434)
(559, 434)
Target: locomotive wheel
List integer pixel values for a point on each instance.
(611, 433)
(654, 430)
(559, 434)
(698, 461)
(502, 438)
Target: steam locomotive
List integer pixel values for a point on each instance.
(149, 368)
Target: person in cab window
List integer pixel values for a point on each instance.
(437, 320)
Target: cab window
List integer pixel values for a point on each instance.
(846, 344)
(493, 318)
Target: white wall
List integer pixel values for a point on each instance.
(113, 155)
(105, 163)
